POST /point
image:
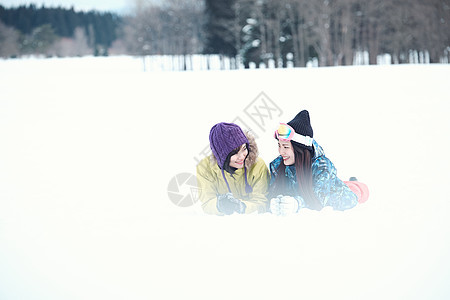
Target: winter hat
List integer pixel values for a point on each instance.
(302, 125)
(224, 138)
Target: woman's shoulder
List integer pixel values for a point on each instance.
(318, 150)
(258, 164)
(276, 162)
(207, 164)
(323, 165)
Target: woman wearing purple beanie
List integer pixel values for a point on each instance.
(233, 179)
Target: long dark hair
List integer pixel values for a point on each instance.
(303, 164)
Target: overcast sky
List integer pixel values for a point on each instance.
(101, 5)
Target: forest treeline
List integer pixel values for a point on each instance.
(57, 31)
(245, 32)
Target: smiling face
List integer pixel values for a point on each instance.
(237, 160)
(287, 152)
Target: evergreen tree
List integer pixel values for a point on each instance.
(219, 27)
(100, 28)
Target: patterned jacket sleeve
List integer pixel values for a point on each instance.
(330, 190)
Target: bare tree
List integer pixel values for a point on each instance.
(320, 17)
(9, 41)
(141, 30)
(296, 11)
(433, 34)
(165, 28)
(371, 20)
(344, 31)
(248, 21)
(80, 39)
(276, 14)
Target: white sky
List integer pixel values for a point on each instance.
(100, 5)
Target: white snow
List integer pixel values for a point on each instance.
(89, 145)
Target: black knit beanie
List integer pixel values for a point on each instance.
(302, 125)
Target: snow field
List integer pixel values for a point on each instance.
(88, 147)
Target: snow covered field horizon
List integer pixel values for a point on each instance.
(89, 146)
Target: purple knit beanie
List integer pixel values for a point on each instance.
(224, 138)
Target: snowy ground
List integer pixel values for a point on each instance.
(88, 147)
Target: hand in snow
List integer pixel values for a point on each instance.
(283, 205)
(227, 204)
(275, 205)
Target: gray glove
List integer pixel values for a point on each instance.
(227, 204)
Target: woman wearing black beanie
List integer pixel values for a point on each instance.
(303, 177)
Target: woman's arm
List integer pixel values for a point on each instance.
(330, 190)
(207, 192)
(258, 178)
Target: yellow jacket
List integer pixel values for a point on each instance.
(211, 183)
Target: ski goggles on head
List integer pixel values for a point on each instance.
(286, 133)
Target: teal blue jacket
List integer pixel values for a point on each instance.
(328, 188)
